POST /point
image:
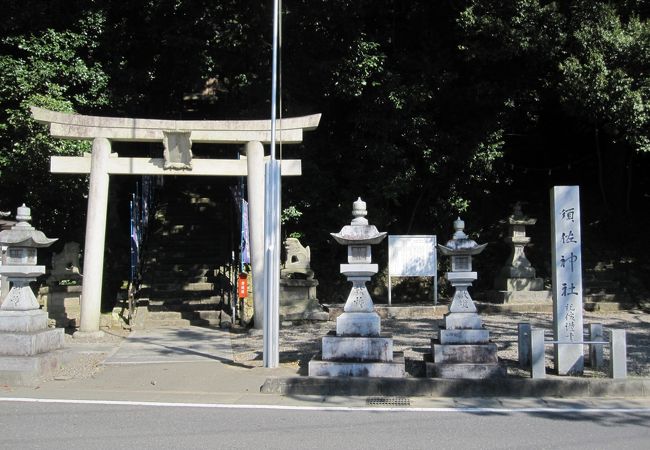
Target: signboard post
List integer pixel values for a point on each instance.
(567, 279)
(412, 256)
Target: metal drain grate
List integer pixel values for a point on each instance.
(388, 401)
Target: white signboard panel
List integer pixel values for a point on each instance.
(567, 279)
(412, 256)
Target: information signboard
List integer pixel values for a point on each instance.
(412, 256)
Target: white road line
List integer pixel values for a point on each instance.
(329, 408)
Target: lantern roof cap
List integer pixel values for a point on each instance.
(23, 234)
(359, 231)
(460, 244)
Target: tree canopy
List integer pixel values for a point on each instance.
(430, 109)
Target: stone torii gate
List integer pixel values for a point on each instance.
(177, 137)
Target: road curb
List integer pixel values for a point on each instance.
(566, 387)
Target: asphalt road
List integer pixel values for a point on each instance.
(32, 425)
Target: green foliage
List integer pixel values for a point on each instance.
(430, 109)
(604, 76)
(55, 70)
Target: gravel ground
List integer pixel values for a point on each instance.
(299, 343)
(86, 355)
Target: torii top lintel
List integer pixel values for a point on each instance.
(77, 126)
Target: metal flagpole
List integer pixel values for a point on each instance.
(272, 223)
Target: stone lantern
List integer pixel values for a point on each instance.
(463, 348)
(19, 265)
(358, 348)
(358, 313)
(518, 274)
(461, 249)
(25, 338)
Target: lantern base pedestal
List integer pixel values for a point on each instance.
(28, 348)
(358, 324)
(29, 370)
(463, 353)
(373, 369)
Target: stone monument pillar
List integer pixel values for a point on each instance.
(463, 348)
(25, 339)
(566, 248)
(358, 348)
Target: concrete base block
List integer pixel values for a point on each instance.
(88, 334)
(393, 369)
(357, 348)
(63, 304)
(464, 353)
(463, 321)
(520, 283)
(28, 370)
(31, 343)
(466, 370)
(298, 300)
(23, 321)
(464, 336)
(358, 324)
(517, 297)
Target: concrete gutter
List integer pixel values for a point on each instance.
(560, 387)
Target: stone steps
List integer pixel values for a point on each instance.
(148, 319)
(178, 286)
(186, 247)
(182, 304)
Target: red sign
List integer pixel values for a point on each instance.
(242, 286)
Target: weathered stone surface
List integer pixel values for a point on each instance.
(31, 343)
(155, 166)
(298, 260)
(394, 369)
(358, 324)
(517, 297)
(467, 370)
(358, 348)
(464, 353)
(151, 130)
(537, 354)
(63, 304)
(464, 336)
(566, 249)
(523, 344)
(28, 370)
(22, 321)
(618, 354)
(298, 300)
(596, 333)
(461, 321)
(524, 284)
(65, 264)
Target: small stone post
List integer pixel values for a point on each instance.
(596, 350)
(618, 354)
(523, 344)
(537, 354)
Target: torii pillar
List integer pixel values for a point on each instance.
(177, 137)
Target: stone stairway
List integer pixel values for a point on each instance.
(604, 289)
(186, 280)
